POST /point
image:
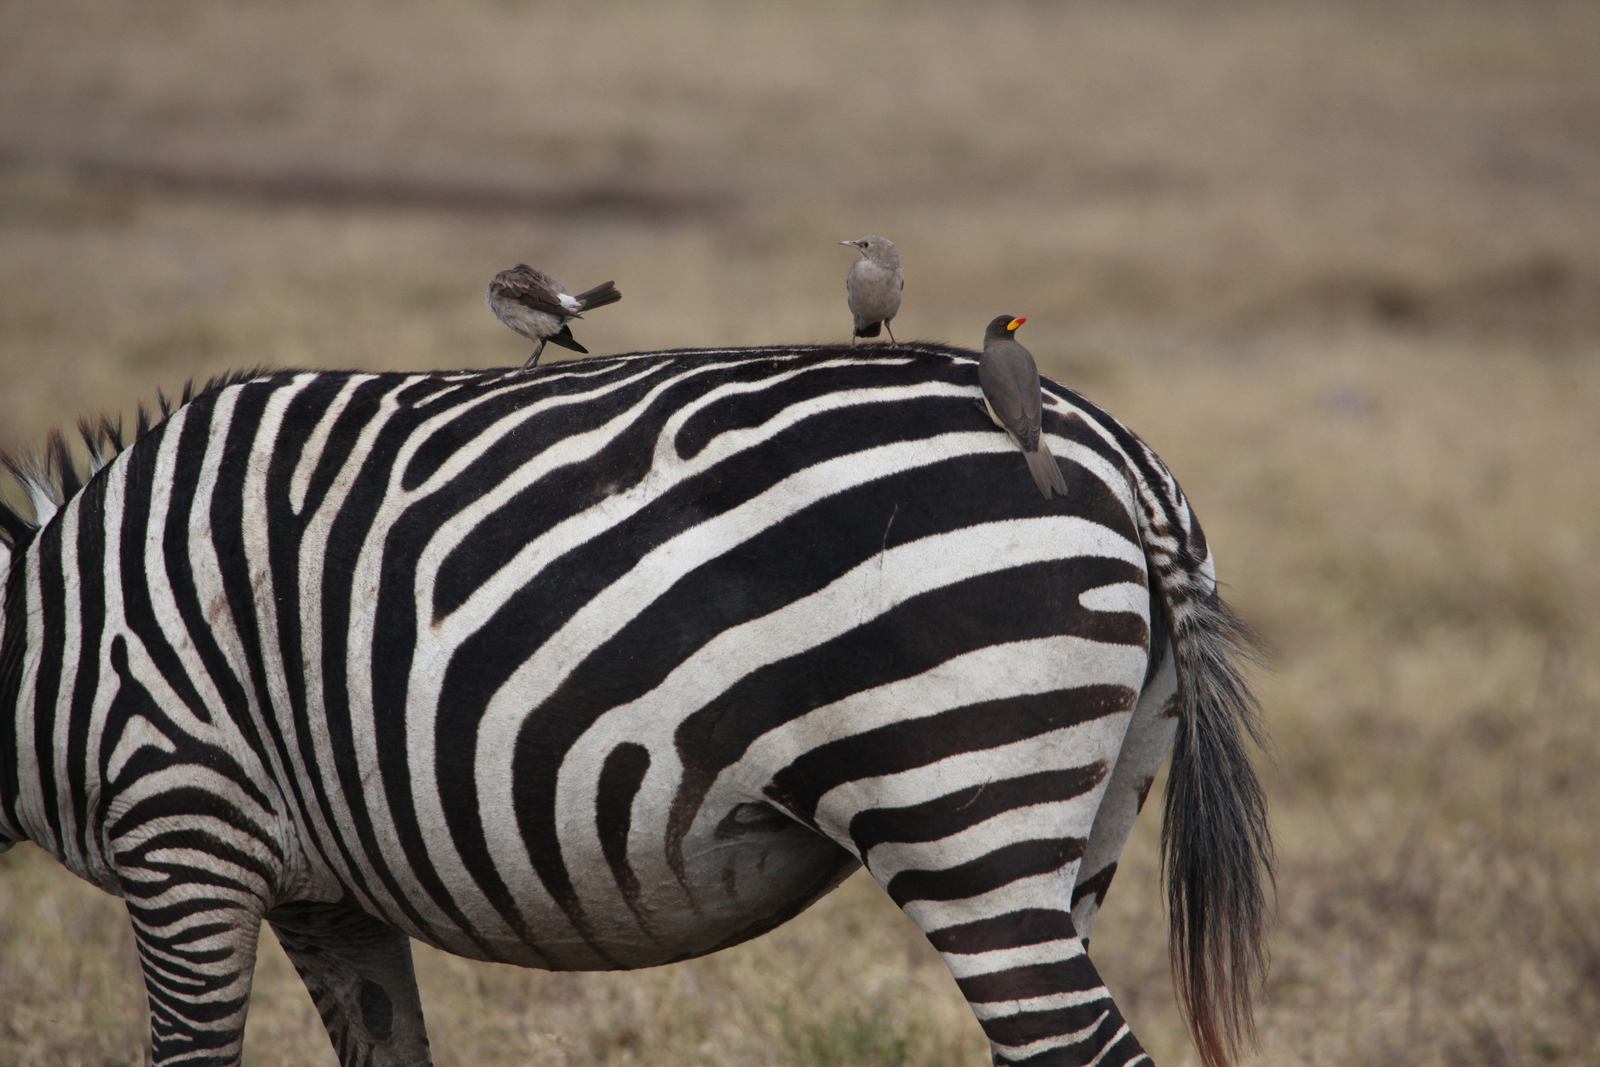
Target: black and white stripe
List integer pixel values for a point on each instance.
(619, 662)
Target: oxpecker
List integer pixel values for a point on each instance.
(1013, 399)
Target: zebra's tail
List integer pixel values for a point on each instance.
(1216, 847)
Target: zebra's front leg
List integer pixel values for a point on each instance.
(360, 976)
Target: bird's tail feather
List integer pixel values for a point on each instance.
(1046, 471)
(870, 329)
(598, 297)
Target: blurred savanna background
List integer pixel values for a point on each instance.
(1339, 262)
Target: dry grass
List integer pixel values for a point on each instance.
(1339, 263)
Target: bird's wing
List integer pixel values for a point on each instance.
(1033, 403)
(1013, 393)
(530, 293)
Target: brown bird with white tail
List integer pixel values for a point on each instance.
(540, 308)
(1012, 397)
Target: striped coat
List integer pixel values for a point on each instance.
(619, 662)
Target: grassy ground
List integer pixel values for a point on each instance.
(1339, 263)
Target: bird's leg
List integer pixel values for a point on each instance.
(852, 338)
(892, 342)
(533, 360)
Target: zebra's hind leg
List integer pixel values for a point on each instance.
(359, 973)
(986, 872)
(198, 954)
(1144, 749)
(981, 850)
(1029, 980)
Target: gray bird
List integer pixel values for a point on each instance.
(874, 284)
(539, 307)
(1013, 399)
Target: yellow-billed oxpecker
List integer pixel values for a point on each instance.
(1013, 399)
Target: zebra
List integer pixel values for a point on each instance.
(618, 662)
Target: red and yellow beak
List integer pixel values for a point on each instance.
(1014, 323)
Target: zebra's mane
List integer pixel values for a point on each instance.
(51, 477)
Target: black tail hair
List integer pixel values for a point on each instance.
(598, 297)
(1215, 841)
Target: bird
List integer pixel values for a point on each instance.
(540, 308)
(1012, 397)
(874, 285)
